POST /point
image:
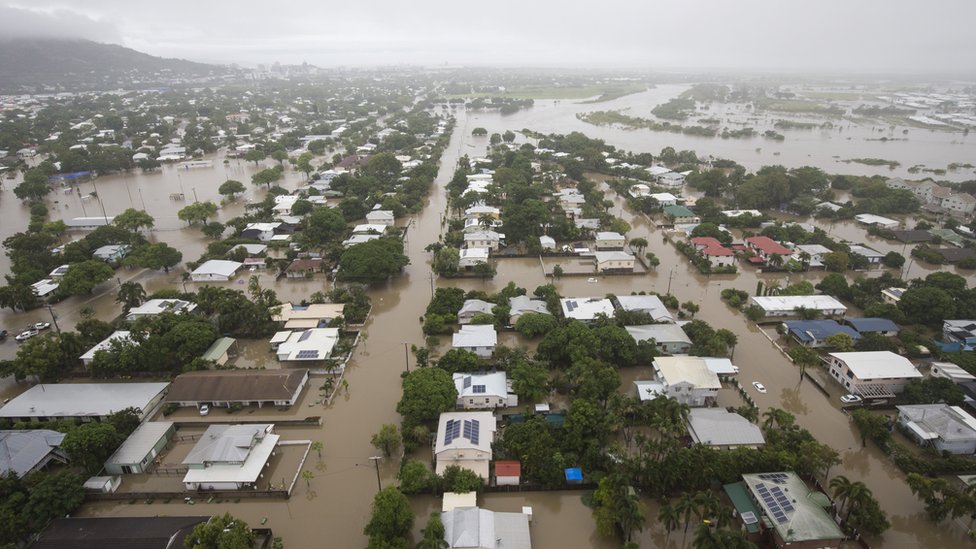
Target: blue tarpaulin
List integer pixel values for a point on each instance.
(574, 475)
(68, 176)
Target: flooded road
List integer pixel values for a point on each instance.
(332, 511)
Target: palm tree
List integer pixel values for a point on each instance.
(131, 294)
(486, 221)
(707, 538)
(639, 244)
(670, 518)
(841, 487)
(775, 260)
(780, 418)
(685, 508)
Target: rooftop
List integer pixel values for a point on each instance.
(719, 427)
(158, 306)
(708, 245)
(949, 423)
(878, 364)
(650, 304)
(140, 442)
(236, 385)
(686, 369)
(472, 527)
(494, 383)
(81, 399)
(310, 344)
(792, 302)
(117, 532)
(523, 304)
(660, 333)
(227, 444)
(21, 451)
(867, 325)
(678, 211)
(218, 267)
(767, 245)
(218, 348)
(105, 344)
(785, 499)
(818, 330)
(475, 335)
(586, 308)
(474, 430)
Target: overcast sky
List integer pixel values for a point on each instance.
(905, 36)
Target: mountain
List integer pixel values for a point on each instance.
(34, 65)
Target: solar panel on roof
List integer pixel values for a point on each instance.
(452, 430)
(478, 389)
(475, 431)
(570, 305)
(467, 429)
(467, 382)
(308, 353)
(788, 507)
(307, 334)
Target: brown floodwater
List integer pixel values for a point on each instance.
(332, 511)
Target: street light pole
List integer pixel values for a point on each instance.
(376, 463)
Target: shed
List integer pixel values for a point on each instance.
(136, 454)
(507, 472)
(220, 351)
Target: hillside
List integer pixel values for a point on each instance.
(39, 64)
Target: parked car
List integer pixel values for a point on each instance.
(3, 335)
(25, 335)
(41, 326)
(851, 399)
(204, 409)
(759, 387)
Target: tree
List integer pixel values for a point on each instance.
(133, 220)
(82, 278)
(893, 259)
(433, 534)
(131, 294)
(155, 256)
(841, 342)
(873, 426)
(255, 155)
(415, 477)
(280, 156)
(384, 167)
(373, 261)
(934, 390)
(51, 496)
(836, 262)
(18, 296)
(927, 305)
(220, 532)
(387, 440)
(508, 136)
(90, 444)
(304, 163)
(460, 480)
(301, 207)
(266, 176)
(230, 188)
(533, 325)
(307, 476)
(34, 186)
(426, 393)
(557, 271)
(616, 506)
(446, 261)
(391, 521)
(479, 132)
(529, 380)
(459, 360)
(41, 356)
(214, 230)
(198, 212)
(691, 307)
(804, 357)
(324, 225)
(317, 447)
(639, 244)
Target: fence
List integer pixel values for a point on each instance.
(188, 496)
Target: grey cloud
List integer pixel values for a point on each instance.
(22, 22)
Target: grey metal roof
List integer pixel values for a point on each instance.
(226, 444)
(81, 399)
(140, 442)
(21, 451)
(719, 427)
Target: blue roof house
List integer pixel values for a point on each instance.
(814, 333)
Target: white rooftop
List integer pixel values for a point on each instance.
(475, 335)
(118, 335)
(524, 304)
(219, 267)
(157, 306)
(366, 228)
(660, 333)
(81, 399)
(719, 427)
(650, 304)
(791, 302)
(490, 384)
(586, 308)
(486, 426)
(878, 364)
(471, 527)
(228, 445)
(308, 345)
(140, 442)
(686, 369)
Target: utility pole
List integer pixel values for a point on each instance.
(64, 356)
(194, 189)
(142, 199)
(376, 463)
(670, 276)
(406, 356)
(432, 285)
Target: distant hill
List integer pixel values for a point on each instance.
(39, 64)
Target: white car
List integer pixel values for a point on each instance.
(24, 336)
(41, 326)
(204, 409)
(851, 399)
(759, 387)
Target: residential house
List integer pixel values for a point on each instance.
(302, 317)
(137, 453)
(719, 428)
(640, 190)
(960, 331)
(480, 339)
(464, 440)
(215, 270)
(680, 215)
(687, 379)
(521, 305)
(669, 338)
(381, 217)
(475, 528)
(474, 225)
(569, 199)
(112, 253)
(814, 333)
(230, 457)
(359, 239)
(872, 374)
(44, 287)
(876, 220)
(794, 517)
(155, 307)
(671, 180)
(475, 212)
(961, 203)
(59, 272)
(117, 532)
(880, 326)
(614, 262)
(83, 401)
(586, 309)
(712, 249)
(369, 228)
(648, 304)
(787, 305)
(249, 387)
(765, 248)
(814, 254)
(483, 239)
(313, 344)
(874, 257)
(122, 336)
(472, 308)
(304, 268)
(470, 257)
(609, 240)
(951, 371)
(29, 450)
(220, 351)
(586, 224)
(946, 428)
(264, 232)
(892, 295)
(664, 199)
(88, 223)
(483, 391)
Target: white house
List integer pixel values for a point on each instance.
(369, 228)
(483, 239)
(671, 180)
(787, 305)
(472, 308)
(313, 344)
(520, 305)
(669, 338)
(878, 374)
(687, 379)
(82, 401)
(586, 309)
(719, 428)
(44, 287)
(951, 371)
(609, 240)
(122, 336)
(136, 454)
(88, 223)
(712, 249)
(476, 528)
(464, 440)
(111, 253)
(874, 257)
(649, 304)
(480, 339)
(815, 253)
(359, 239)
(483, 391)
(473, 225)
(665, 199)
(230, 457)
(475, 212)
(614, 262)
(215, 270)
(871, 219)
(946, 428)
(547, 242)
(381, 217)
(154, 307)
(472, 256)
(260, 231)
(892, 295)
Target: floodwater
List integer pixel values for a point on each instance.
(332, 510)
